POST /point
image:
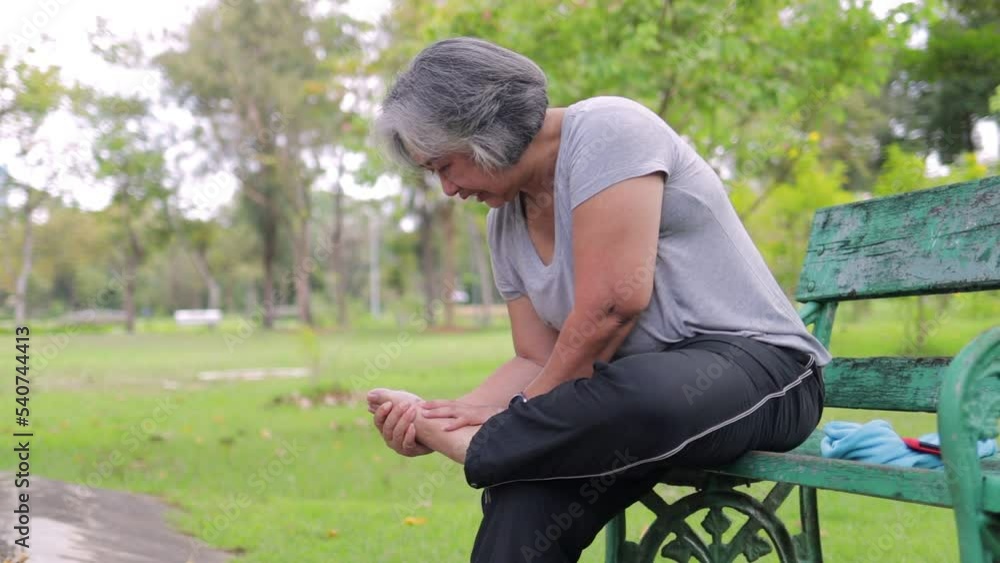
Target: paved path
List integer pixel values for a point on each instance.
(75, 524)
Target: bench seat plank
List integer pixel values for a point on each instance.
(805, 466)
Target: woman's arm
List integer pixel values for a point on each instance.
(508, 380)
(615, 236)
(533, 344)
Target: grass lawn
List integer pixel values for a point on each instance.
(274, 481)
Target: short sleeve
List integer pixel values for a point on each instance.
(615, 141)
(505, 276)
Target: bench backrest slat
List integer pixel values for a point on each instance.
(884, 383)
(941, 240)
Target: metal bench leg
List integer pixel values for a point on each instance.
(809, 548)
(762, 534)
(614, 539)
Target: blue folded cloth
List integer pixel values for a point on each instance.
(877, 442)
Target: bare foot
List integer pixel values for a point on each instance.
(398, 397)
(429, 431)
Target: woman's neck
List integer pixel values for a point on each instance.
(540, 162)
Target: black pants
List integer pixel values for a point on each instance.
(557, 468)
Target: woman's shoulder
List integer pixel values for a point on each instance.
(612, 105)
(607, 101)
(616, 121)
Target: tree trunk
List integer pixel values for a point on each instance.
(260, 190)
(268, 317)
(250, 299)
(448, 281)
(426, 252)
(303, 273)
(270, 251)
(214, 294)
(134, 257)
(482, 270)
(131, 266)
(21, 285)
(229, 298)
(374, 266)
(172, 291)
(6, 226)
(200, 262)
(337, 267)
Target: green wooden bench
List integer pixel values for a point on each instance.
(941, 240)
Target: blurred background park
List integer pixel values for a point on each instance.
(191, 211)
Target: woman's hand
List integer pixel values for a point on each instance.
(463, 413)
(395, 422)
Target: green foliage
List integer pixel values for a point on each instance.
(29, 93)
(951, 79)
(966, 167)
(728, 75)
(902, 172)
(28, 96)
(134, 165)
(781, 226)
(40, 90)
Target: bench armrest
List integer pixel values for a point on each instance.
(967, 412)
(809, 313)
(970, 396)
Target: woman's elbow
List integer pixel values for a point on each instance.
(621, 311)
(625, 313)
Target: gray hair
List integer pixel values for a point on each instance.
(464, 95)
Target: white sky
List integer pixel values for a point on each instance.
(67, 24)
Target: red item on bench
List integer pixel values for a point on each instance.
(916, 444)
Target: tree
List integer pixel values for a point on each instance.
(132, 162)
(28, 96)
(196, 238)
(273, 113)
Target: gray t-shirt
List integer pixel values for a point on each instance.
(709, 278)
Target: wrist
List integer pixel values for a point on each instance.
(517, 399)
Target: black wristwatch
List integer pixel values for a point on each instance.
(519, 398)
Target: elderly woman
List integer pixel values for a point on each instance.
(648, 331)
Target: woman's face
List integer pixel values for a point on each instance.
(461, 177)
